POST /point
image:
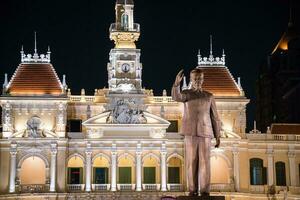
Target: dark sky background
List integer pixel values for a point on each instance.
(171, 34)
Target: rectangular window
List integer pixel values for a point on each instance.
(149, 175)
(125, 175)
(100, 175)
(75, 175)
(173, 175)
(173, 126)
(74, 125)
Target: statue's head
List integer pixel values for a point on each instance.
(197, 78)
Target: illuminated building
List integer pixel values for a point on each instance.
(125, 139)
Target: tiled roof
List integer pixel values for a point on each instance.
(35, 80)
(123, 2)
(219, 81)
(285, 129)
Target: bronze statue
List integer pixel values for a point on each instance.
(200, 124)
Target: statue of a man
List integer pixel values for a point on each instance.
(200, 124)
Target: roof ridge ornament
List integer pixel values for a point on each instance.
(35, 58)
(211, 60)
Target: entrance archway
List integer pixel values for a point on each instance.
(33, 171)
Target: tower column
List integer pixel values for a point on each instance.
(236, 172)
(138, 171)
(114, 171)
(88, 174)
(13, 162)
(270, 167)
(163, 160)
(53, 168)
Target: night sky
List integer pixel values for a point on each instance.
(171, 34)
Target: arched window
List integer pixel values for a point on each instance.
(280, 173)
(124, 21)
(257, 172)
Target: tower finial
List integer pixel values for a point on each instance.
(199, 57)
(211, 45)
(35, 49)
(22, 53)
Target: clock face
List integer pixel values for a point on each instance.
(125, 67)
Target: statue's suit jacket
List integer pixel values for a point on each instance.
(200, 116)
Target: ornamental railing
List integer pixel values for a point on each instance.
(34, 188)
(75, 187)
(82, 98)
(175, 187)
(274, 137)
(151, 187)
(125, 187)
(161, 99)
(100, 187)
(118, 27)
(222, 187)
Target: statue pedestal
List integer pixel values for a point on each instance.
(200, 198)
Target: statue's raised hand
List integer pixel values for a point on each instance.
(179, 78)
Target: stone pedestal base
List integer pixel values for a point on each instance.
(200, 198)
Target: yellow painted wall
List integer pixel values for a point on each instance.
(61, 171)
(219, 170)
(4, 171)
(244, 171)
(75, 161)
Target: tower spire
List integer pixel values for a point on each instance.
(35, 49)
(211, 45)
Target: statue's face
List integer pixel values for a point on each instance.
(197, 80)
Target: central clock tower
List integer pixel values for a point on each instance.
(124, 68)
(125, 96)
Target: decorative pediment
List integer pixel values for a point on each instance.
(100, 120)
(97, 127)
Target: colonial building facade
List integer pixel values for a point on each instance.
(123, 142)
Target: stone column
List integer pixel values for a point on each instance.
(113, 171)
(53, 168)
(163, 160)
(138, 171)
(270, 166)
(88, 173)
(292, 164)
(13, 162)
(236, 169)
